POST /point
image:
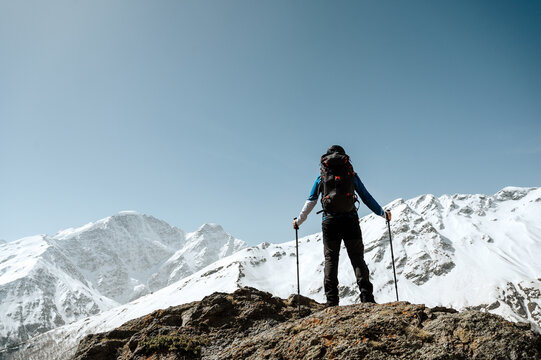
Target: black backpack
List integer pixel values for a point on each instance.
(338, 187)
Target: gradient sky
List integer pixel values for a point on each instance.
(218, 111)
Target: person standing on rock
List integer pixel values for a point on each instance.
(337, 184)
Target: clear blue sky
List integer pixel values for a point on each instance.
(218, 111)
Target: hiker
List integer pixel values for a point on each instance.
(337, 184)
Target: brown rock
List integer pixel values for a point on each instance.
(251, 324)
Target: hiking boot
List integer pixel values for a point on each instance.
(330, 304)
(367, 298)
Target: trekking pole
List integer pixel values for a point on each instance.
(392, 257)
(298, 282)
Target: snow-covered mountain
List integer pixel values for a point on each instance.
(204, 246)
(41, 289)
(46, 282)
(119, 254)
(461, 251)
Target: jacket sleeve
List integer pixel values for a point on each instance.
(310, 203)
(367, 199)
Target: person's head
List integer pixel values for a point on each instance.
(336, 149)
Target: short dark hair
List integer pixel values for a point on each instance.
(336, 149)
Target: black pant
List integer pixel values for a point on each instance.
(336, 229)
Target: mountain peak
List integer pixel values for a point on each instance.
(123, 218)
(513, 193)
(395, 203)
(131, 214)
(210, 227)
(128, 212)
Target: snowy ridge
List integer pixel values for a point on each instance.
(206, 245)
(461, 251)
(46, 282)
(19, 258)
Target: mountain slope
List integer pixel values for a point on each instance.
(120, 253)
(460, 251)
(38, 294)
(206, 245)
(46, 282)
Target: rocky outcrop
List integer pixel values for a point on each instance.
(251, 324)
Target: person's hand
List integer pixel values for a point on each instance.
(387, 215)
(295, 226)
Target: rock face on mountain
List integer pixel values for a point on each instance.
(251, 324)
